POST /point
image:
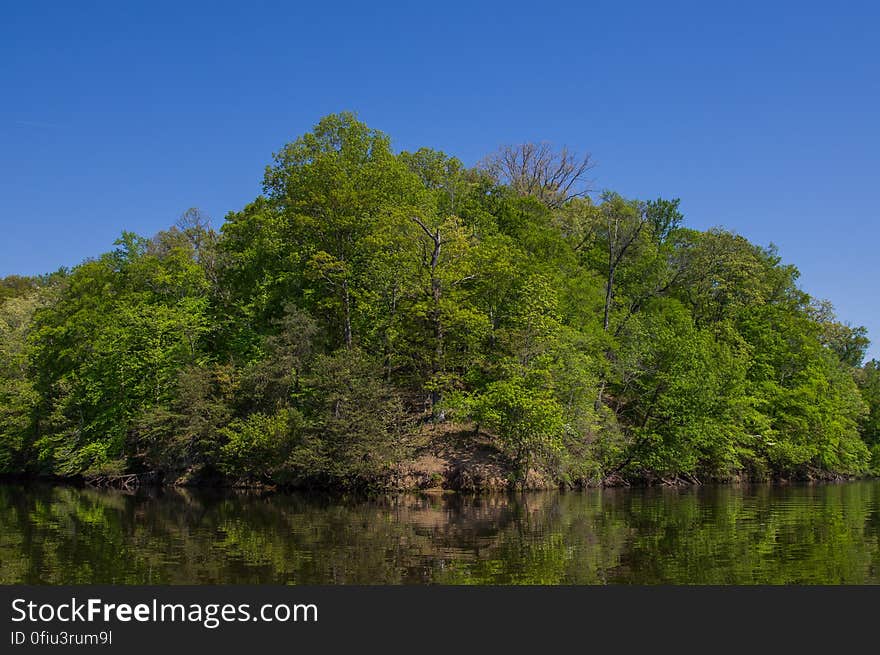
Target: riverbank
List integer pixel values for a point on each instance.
(446, 457)
(459, 458)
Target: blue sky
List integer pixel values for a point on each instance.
(761, 117)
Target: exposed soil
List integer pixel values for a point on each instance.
(455, 457)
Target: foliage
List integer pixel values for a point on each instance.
(368, 291)
(529, 422)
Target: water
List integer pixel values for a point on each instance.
(825, 534)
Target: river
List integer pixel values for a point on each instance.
(798, 534)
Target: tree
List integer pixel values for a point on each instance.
(257, 448)
(111, 348)
(355, 421)
(528, 422)
(620, 223)
(537, 169)
(15, 286)
(847, 342)
(664, 217)
(333, 187)
(868, 380)
(18, 397)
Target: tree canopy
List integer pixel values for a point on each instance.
(368, 293)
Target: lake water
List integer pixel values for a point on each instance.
(825, 534)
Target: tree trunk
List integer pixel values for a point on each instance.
(436, 317)
(387, 341)
(608, 298)
(436, 293)
(346, 304)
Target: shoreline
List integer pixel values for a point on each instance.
(82, 482)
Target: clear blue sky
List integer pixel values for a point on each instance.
(761, 116)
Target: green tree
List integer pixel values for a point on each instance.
(333, 187)
(18, 396)
(868, 379)
(528, 423)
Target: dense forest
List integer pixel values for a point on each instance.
(372, 311)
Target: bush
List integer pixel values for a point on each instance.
(258, 446)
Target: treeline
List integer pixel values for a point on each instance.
(367, 294)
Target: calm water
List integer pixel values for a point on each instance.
(712, 535)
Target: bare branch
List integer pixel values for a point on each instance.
(418, 222)
(536, 169)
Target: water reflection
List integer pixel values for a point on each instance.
(824, 534)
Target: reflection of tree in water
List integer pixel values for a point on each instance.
(710, 535)
(825, 534)
(68, 535)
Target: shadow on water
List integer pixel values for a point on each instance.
(823, 534)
